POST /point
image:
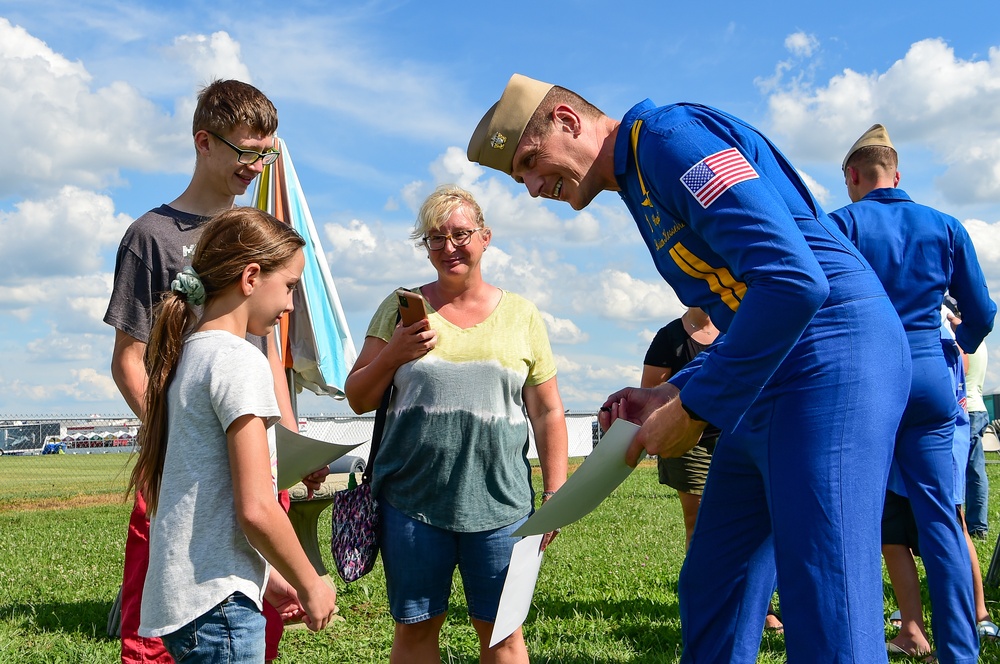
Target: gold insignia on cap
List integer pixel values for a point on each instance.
(505, 122)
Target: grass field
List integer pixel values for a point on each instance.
(54, 477)
(607, 591)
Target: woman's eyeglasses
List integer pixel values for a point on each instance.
(458, 239)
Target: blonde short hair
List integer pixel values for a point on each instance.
(440, 205)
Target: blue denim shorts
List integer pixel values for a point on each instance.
(232, 632)
(420, 560)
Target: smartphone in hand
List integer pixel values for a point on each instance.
(411, 307)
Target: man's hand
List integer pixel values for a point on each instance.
(668, 432)
(634, 404)
(665, 427)
(954, 321)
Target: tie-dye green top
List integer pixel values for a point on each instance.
(454, 449)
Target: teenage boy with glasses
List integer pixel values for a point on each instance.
(157, 246)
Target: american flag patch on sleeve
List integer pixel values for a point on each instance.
(713, 175)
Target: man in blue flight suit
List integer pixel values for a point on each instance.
(920, 254)
(803, 391)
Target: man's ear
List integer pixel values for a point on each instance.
(853, 175)
(567, 119)
(201, 142)
(250, 278)
(895, 180)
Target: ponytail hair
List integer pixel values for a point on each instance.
(230, 241)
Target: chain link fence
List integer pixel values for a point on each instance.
(65, 457)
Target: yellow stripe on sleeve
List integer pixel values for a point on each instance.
(719, 279)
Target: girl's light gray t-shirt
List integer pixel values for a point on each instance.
(198, 552)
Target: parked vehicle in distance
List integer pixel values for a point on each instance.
(348, 464)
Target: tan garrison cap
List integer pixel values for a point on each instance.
(876, 135)
(496, 138)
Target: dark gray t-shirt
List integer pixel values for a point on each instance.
(156, 246)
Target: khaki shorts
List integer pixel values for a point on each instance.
(687, 473)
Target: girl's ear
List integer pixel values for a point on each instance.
(250, 278)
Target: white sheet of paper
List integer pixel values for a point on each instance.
(300, 455)
(518, 589)
(592, 482)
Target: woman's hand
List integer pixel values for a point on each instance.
(378, 361)
(411, 342)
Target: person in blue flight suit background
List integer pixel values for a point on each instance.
(900, 542)
(804, 394)
(920, 254)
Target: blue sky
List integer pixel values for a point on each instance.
(376, 103)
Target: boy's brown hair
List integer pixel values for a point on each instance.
(225, 105)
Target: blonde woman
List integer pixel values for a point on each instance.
(452, 475)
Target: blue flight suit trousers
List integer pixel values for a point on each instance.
(926, 465)
(795, 493)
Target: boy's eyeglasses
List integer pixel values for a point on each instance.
(248, 157)
(458, 239)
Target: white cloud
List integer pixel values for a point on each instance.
(821, 193)
(801, 44)
(563, 330)
(81, 385)
(216, 56)
(454, 167)
(369, 260)
(513, 213)
(69, 133)
(986, 238)
(337, 69)
(64, 234)
(589, 379)
(70, 305)
(584, 228)
(625, 298)
(355, 237)
(930, 99)
(991, 385)
(65, 348)
(94, 385)
(539, 275)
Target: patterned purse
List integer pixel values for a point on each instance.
(354, 543)
(355, 527)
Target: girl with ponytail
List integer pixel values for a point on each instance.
(207, 464)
